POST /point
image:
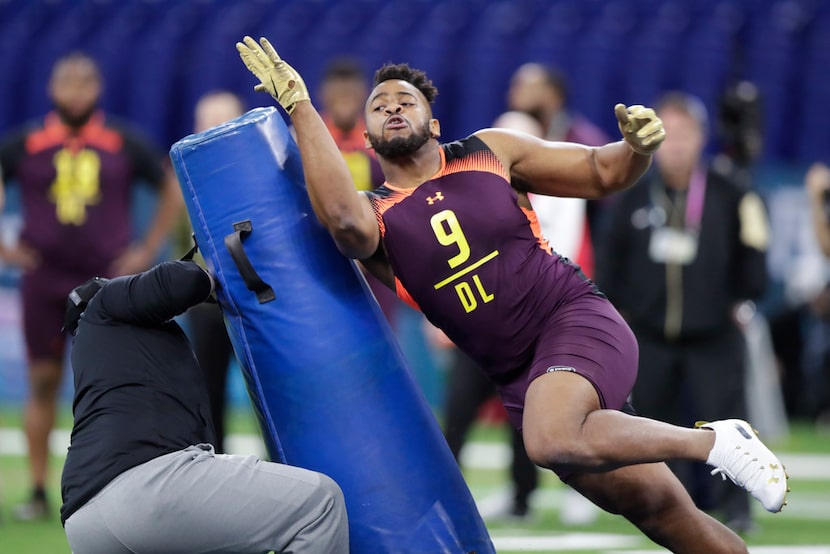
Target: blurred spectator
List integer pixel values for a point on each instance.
(207, 325)
(740, 132)
(343, 92)
(683, 248)
(817, 182)
(76, 168)
(799, 273)
(816, 343)
(542, 92)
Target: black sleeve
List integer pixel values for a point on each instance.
(147, 160)
(12, 150)
(156, 295)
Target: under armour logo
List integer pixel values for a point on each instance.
(433, 199)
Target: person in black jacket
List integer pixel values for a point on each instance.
(683, 249)
(141, 474)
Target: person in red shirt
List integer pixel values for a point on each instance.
(75, 168)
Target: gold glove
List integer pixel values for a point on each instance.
(640, 127)
(276, 77)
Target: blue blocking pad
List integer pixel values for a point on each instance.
(329, 385)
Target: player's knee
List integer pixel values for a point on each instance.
(557, 452)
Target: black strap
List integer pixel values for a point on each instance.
(188, 256)
(233, 243)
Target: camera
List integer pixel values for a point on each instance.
(739, 123)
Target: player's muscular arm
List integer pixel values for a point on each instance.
(346, 214)
(568, 169)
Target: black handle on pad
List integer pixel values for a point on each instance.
(233, 243)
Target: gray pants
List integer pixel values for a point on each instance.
(196, 501)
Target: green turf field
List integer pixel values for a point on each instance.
(806, 521)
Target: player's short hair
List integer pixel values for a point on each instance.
(415, 77)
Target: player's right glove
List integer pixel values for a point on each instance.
(276, 77)
(640, 127)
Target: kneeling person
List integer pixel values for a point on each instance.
(141, 474)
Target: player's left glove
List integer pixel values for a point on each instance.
(276, 77)
(640, 127)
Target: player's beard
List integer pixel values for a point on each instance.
(75, 120)
(398, 147)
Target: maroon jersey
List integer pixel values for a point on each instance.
(467, 255)
(75, 189)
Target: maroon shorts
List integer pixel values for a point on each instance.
(590, 338)
(43, 295)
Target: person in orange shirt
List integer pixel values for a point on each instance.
(343, 92)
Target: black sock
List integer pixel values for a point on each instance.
(39, 493)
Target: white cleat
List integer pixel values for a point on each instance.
(740, 455)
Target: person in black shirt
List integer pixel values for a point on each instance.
(141, 474)
(683, 249)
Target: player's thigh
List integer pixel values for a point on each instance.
(589, 338)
